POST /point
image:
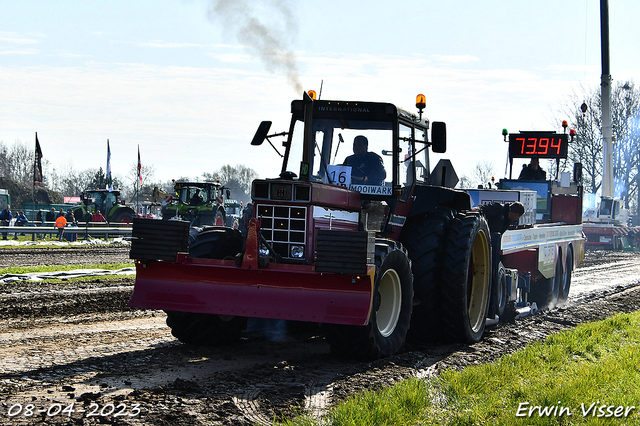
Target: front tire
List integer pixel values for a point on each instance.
(205, 329)
(209, 329)
(466, 279)
(124, 216)
(390, 316)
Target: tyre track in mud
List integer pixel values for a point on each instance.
(103, 352)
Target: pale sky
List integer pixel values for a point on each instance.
(182, 79)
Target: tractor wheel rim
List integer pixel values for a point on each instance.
(479, 276)
(390, 290)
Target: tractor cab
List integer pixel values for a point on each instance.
(376, 151)
(201, 203)
(336, 142)
(199, 193)
(108, 202)
(102, 199)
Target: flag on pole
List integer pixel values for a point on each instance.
(37, 164)
(109, 180)
(139, 167)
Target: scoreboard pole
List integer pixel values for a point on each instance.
(607, 133)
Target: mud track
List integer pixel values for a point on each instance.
(79, 344)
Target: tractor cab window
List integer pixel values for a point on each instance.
(97, 197)
(407, 158)
(351, 153)
(110, 200)
(197, 196)
(233, 210)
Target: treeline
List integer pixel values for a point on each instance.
(16, 174)
(588, 146)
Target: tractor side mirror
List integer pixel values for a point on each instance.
(439, 137)
(261, 133)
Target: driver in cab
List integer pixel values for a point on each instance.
(366, 167)
(197, 199)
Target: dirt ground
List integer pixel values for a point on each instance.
(76, 354)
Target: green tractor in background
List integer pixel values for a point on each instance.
(108, 202)
(201, 203)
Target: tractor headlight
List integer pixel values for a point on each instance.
(264, 251)
(297, 252)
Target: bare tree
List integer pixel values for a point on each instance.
(482, 174)
(587, 149)
(238, 179)
(17, 162)
(5, 167)
(145, 189)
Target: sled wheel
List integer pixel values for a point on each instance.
(546, 291)
(386, 331)
(499, 291)
(423, 238)
(466, 279)
(566, 277)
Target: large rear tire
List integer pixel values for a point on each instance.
(466, 279)
(124, 215)
(209, 329)
(391, 312)
(424, 238)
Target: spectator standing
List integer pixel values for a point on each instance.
(70, 217)
(51, 215)
(71, 222)
(21, 220)
(61, 222)
(98, 217)
(5, 219)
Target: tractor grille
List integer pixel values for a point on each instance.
(284, 227)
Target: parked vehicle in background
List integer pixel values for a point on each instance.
(108, 202)
(199, 203)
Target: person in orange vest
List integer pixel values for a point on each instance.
(61, 222)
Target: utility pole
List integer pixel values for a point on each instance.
(607, 131)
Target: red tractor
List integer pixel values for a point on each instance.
(376, 258)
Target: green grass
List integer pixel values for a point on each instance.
(595, 363)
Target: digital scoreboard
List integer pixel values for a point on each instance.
(538, 144)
